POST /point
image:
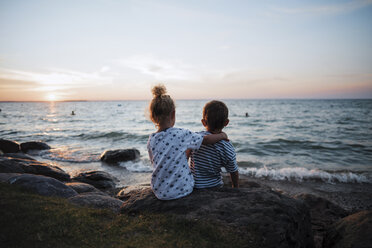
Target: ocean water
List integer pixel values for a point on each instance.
(321, 140)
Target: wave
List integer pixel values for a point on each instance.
(303, 174)
(110, 135)
(288, 144)
(136, 166)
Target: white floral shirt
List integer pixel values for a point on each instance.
(171, 176)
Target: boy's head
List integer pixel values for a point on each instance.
(215, 115)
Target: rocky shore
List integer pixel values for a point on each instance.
(283, 214)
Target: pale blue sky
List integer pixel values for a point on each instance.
(103, 50)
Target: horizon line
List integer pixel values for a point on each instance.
(199, 99)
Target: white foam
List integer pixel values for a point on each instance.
(300, 174)
(136, 166)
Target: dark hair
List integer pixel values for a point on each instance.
(161, 105)
(215, 114)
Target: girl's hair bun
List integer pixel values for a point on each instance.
(159, 90)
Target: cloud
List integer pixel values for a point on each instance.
(13, 84)
(54, 79)
(160, 69)
(327, 9)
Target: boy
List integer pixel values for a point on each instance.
(206, 163)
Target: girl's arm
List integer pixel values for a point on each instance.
(214, 138)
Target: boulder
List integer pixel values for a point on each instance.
(82, 187)
(99, 179)
(122, 155)
(323, 214)
(7, 146)
(97, 201)
(279, 221)
(18, 155)
(10, 165)
(34, 145)
(352, 231)
(15, 165)
(125, 193)
(43, 185)
(4, 177)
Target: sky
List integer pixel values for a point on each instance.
(199, 49)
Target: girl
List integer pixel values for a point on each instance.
(171, 177)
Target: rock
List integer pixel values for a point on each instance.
(352, 231)
(278, 220)
(122, 155)
(43, 185)
(34, 145)
(9, 165)
(99, 179)
(97, 201)
(7, 146)
(82, 187)
(18, 155)
(15, 165)
(323, 214)
(4, 177)
(125, 193)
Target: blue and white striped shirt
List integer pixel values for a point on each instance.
(206, 163)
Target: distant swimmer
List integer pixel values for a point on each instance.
(73, 112)
(246, 114)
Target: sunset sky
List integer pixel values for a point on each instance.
(118, 49)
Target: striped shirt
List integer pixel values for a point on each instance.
(206, 163)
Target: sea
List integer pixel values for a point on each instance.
(282, 140)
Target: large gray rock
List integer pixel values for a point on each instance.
(122, 155)
(34, 145)
(95, 200)
(82, 187)
(18, 155)
(4, 177)
(323, 214)
(8, 146)
(352, 231)
(126, 192)
(43, 185)
(15, 165)
(99, 179)
(10, 165)
(280, 221)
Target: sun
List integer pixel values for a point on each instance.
(51, 97)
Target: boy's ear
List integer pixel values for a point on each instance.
(204, 122)
(226, 122)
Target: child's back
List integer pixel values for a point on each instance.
(206, 163)
(171, 178)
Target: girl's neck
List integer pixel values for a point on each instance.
(164, 126)
(168, 122)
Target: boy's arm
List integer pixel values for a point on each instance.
(214, 138)
(235, 179)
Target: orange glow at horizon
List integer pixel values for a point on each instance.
(51, 97)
